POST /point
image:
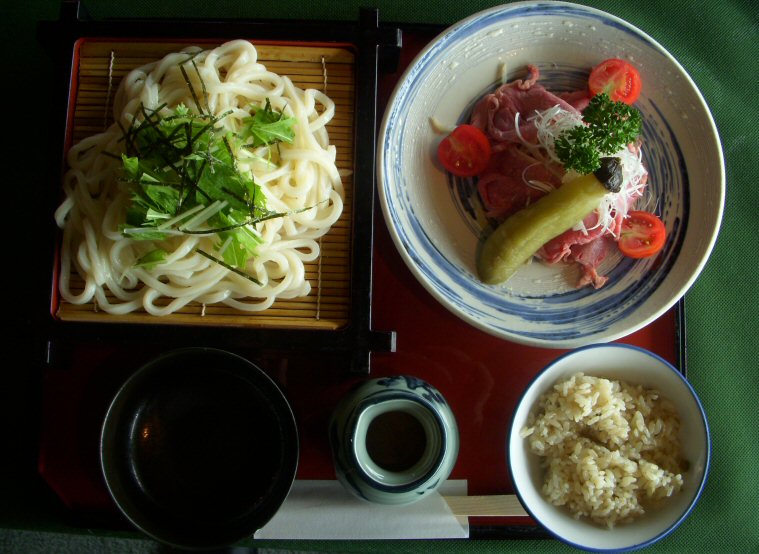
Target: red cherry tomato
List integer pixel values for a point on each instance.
(643, 235)
(465, 152)
(617, 78)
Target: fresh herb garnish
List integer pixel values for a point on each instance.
(609, 126)
(183, 164)
(152, 258)
(267, 127)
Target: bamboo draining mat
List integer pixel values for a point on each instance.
(101, 67)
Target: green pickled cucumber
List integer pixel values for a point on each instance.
(518, 238)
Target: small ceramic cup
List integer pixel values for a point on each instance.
(394, 440)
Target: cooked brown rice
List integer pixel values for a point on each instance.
(610, 448)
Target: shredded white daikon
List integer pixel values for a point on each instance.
(550, 124)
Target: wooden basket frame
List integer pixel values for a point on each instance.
(375, 49)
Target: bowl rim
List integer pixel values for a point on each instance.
(666, 365)
(242, 368)
(509, 334)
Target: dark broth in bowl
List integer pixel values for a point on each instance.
(199, 448)
(205, 447)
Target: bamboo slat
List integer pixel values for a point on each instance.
(101, 66)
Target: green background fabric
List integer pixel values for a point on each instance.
(717, 42)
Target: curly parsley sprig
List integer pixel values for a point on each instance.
(609, 126)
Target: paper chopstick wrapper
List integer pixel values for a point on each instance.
(322, 510)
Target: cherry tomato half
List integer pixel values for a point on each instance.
(617, 78)
(465, 152)
(643, 235)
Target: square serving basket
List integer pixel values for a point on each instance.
(344, 57)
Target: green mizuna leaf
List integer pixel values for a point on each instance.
(241, 243)
(178, 160)
(268, 127)
(152, 259)
(131, 167)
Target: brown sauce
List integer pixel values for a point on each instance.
(395, 441)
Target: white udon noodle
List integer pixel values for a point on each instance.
(305, 176)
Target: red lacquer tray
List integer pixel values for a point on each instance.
(481, 376)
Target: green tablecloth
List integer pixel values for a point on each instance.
(718, 44)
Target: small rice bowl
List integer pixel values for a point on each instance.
(610, 449)
(658, 466)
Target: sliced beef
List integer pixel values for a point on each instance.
(578, 99)
(505, 185)
(495, 113)
(502, 185)
(559, 249)
(587, 247)
(589, 256)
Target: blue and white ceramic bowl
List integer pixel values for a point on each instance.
(633, 365)
(394, 440)
(429, 217)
